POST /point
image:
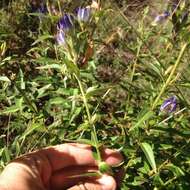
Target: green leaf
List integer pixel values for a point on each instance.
(144, 117)
(75, 113)
(166, 146)
(4, 79)
(147, 149)
(51, 66)
(42, 38)
(5, 60)
(72, 67)
(19, 103)
(157, 69)
(34, 127)
(178, 172)
(45, 61)
(11, 109)
(59, 101)
(88, 174)
(96, 91)
(6, 154)
(42, 90)
(158, 180)
(83, 141)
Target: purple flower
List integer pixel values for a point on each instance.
(166, 13)
(83, 14)
(169, 105)
(60, 37)
(65, 23)
(160, 18)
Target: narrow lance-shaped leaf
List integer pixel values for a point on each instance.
(144, 117)
(177, 171)
(147, 149)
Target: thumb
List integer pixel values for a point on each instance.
(103, 183)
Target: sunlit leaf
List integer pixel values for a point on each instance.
(4, 79)
(147, 149)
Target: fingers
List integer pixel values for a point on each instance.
(103, 183)
(19, 176)
(70, 176)
(107, 182)
(65, 155)
(80, 157)
(52, 163)
(112, 157)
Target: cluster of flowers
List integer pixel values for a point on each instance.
(67, 22)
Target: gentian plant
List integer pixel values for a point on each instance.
(79, 43)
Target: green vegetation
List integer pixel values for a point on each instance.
(117, 78)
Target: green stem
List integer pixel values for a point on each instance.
(171, 75)
(94, 134)
(59, 7)
(135, 62)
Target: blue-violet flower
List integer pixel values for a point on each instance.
(83, 14)
(65, 23)
(169, 105)
(160, 18)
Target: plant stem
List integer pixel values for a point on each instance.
(171, 75)
(94, 134)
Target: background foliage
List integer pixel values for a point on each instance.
(135, 66)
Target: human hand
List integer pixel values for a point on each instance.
(52, 168)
